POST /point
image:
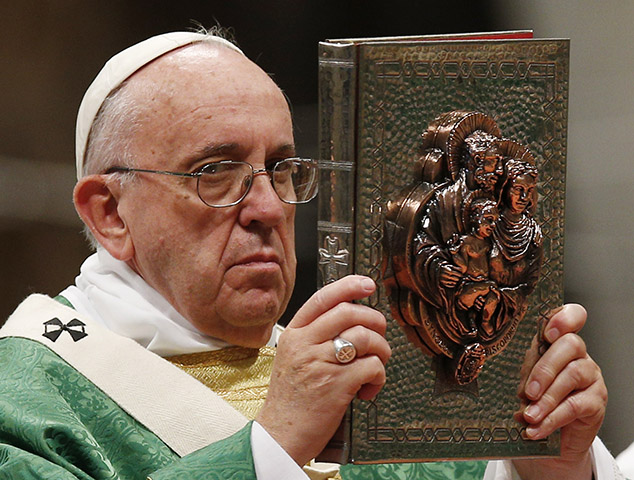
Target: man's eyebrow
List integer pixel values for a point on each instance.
(286, 149)
(213, 150)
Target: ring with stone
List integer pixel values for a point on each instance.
(344, 350)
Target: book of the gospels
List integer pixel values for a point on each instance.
(442, 177)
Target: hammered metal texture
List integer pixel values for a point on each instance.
(402, 88)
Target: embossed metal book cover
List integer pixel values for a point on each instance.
(443, 178)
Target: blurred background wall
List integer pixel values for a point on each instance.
(50, 50)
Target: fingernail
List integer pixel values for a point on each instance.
(551, 335)
(368, 284)
(532, 412)
(532, 431)
(532, 390)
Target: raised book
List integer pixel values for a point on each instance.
(442, 177)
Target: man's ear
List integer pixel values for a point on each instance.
(97, 201)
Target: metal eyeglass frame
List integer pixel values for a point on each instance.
(198, 175)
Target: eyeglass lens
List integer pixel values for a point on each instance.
(226, 183)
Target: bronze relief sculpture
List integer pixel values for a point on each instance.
(462, 244)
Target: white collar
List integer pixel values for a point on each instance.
(111, 293)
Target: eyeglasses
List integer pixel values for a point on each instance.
(226, 183)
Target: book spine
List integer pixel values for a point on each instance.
(337, 155)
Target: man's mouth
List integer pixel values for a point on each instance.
(259, 259)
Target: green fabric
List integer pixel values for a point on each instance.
(416, 471)
(54, 423)
(233, 461)
(63, 301)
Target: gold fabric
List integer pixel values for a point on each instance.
(238, 375)
(241, 377)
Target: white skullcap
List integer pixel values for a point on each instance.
(121, 67)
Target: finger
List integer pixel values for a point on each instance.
(344, 316)
(369, 376)
(369, 391)
(366, 342)
(577, 375)
(586, 406)
(566, 349)
(346, 289)
(568, 319)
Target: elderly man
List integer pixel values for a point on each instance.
(152, 364)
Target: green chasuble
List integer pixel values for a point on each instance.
(57, 424)
(54, 423)
(416, 471)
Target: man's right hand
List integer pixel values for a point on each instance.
(310, 390)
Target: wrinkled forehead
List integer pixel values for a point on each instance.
(200, 85)
(202, 69)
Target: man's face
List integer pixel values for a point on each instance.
(488, 169)
(230, 271)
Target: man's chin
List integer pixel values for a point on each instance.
(251, 336)
(260, 304)
(248, 315)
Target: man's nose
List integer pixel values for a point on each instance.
(262, 204)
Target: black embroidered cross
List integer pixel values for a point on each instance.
(54, 328)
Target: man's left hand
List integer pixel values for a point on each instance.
(566, 390)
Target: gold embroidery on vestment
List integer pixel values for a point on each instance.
(241, 377)
(238, 375)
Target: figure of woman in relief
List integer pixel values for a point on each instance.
(516, 254)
